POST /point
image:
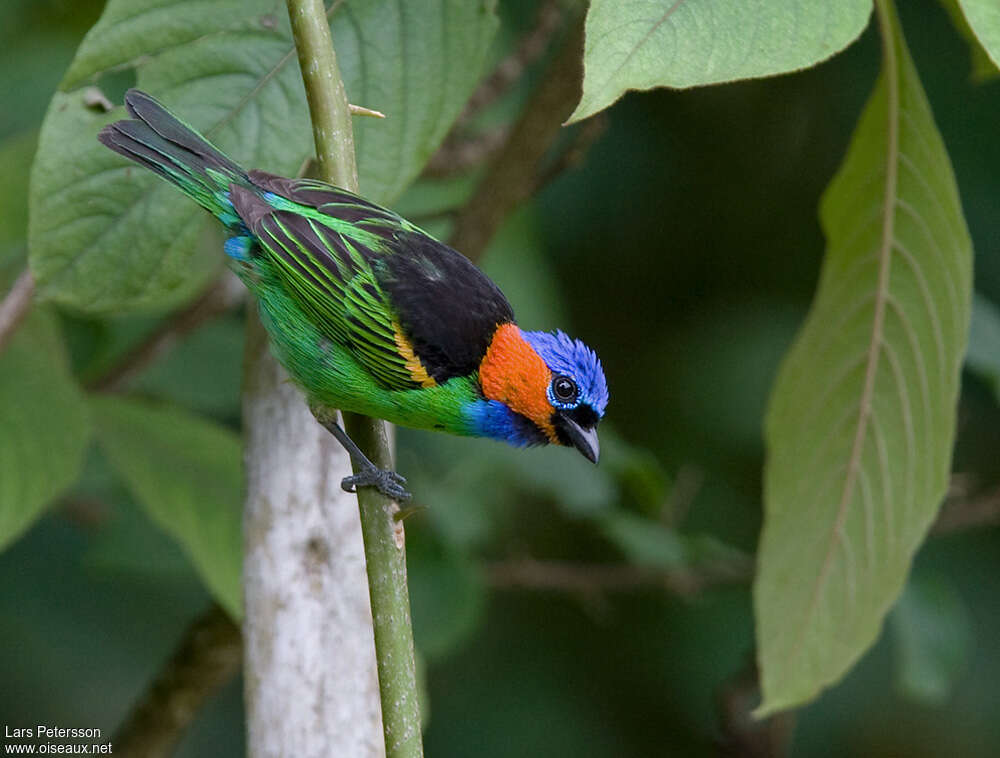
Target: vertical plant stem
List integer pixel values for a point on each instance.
(383, 535)
(328, 107)
(385, 552)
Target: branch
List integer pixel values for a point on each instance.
(460, 152)
(512, 176)
(585, 136)
(512, 68)
(205, 661)
(15, 305)
(959, 513)
(590, 578)
(962, 512)
(383, 535)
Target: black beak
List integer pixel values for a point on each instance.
(584, 440)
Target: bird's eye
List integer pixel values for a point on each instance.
(564, 389)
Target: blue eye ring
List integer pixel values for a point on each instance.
(564, 389)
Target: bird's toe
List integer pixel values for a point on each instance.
(389, 483)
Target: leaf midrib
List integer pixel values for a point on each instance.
(881, 298)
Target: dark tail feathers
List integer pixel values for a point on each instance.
(163, 143)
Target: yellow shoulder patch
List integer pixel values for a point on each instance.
(417, 371)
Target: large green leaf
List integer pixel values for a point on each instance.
(862, 417)
(107, 236)
(984, 21)
(641, 44)
(44, 427)
(188, 475)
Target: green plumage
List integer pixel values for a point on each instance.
(346, 303)
(316, 258)
(333, 378)
(370, 314)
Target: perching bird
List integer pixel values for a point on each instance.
(370, 314)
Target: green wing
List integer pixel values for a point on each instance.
(326, 264)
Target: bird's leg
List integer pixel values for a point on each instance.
(389, 483)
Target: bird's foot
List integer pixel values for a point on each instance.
(389, 483)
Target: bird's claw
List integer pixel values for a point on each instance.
(389, 483)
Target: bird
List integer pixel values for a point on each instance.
(370, 314)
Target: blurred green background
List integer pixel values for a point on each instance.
(685, 249)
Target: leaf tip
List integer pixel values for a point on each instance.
(765, 710)
(584, 109)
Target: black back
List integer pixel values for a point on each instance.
(448, 307)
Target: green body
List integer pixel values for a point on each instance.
(322, 263)
(333, 379)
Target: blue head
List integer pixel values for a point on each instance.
(542, 387)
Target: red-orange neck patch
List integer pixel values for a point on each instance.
(513, 373)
